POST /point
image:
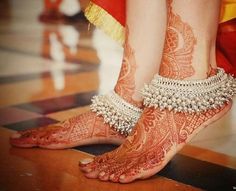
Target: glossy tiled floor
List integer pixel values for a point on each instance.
(49, 73)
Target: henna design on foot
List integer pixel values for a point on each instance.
(83, 129)
(86, 128)
(158, 135)
(178, 48)
(156, 138)
(125, 86)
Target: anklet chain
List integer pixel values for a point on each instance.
(118, 113)
(193, 96)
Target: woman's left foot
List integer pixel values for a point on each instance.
(160, 132)
(156, 138)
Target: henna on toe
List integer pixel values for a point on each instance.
(27, 138)
(87, 128)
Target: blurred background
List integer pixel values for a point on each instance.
(51, 40)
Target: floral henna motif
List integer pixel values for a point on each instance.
(158, 135)
(178, 49)
(125, 86)
(184, 126)
(88, 125)
(150, 148)
(69, 133)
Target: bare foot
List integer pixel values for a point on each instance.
(87, 128)
(83, 129)
(156, 138)
(159, 135)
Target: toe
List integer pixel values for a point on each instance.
(87, 167)
(114, 177)
(130, 175)
(91, 163)
(15, 135)
(124, 178)
(116, 173)
(104, 176)
(100, 171)
(85, 162)
(23, 140)
(92, 174)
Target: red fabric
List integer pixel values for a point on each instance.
(226, 38)
(115, 7)
(226, 46)
(52, 5)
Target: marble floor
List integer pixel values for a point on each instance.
(48, 73)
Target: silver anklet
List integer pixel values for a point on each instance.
(193, 96)
(118, 113)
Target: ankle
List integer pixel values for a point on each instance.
(129, 96)
(204, 59)
(200, 64)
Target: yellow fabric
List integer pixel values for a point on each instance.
(103, 20)
(228, 10)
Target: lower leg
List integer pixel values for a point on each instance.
(159, 134)
(141, 55)
(190, 42)
(140, 61)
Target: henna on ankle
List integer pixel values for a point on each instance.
(125, 86)
(178, 48)
(211, 71)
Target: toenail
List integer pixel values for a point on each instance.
(89, 170)
(15, 135)
(102, 174)
(86, 161)
(122, 176)
(112, 176)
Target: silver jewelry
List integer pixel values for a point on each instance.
(193, 96)
(118, 113)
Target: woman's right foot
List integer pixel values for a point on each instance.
(87, 128)
(84, 129)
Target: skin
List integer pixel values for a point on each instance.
(178, 49)
(88, 128)
(159, 135)
(125, 86)
(147, 54)
(83, 129)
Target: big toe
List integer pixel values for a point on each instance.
(86, 165)
(20, 140)
(85, 162)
